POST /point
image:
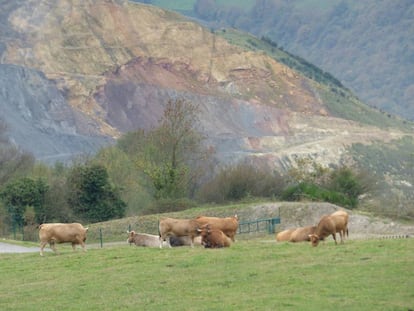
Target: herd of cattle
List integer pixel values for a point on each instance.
(336, 222)
(210, 232)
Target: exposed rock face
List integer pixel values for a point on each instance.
(76, 74)
(40, 119)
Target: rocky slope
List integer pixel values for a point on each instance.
(77, 74)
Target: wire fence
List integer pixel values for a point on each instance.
(114, 232)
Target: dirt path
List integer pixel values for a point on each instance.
(11, 248)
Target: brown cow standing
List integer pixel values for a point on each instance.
(326, 227)
(336, 222)
(213, 238)
(53, 233)
(341, 223)
(177, 227)
(227, 225)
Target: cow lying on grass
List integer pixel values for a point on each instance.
(150, 240)
(284, 235)
(296, 234)
(184, 241)
(330, 225)
(213, 238)
(228, 225)
(143, 239)
(302, 234)
(53, 233)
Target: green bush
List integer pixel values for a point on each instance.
(234, 183)
(314, 192)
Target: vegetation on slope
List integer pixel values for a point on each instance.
(340, 101)
(165, 169)
(394, 167)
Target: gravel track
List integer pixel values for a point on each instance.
(11, 248)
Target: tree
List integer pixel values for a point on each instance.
(56, 206)
(172, 155)
(123, 172)
(21, 193)
(91, 196)
(13, 161)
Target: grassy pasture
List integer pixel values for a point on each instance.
(255, 274)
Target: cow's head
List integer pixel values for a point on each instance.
(131, 235)
(204, 231)
(314, 239)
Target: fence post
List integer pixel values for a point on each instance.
(272, 227)
(100, 236)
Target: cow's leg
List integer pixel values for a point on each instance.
(341, 236)
(167, 239)
(161, 240)
(334, 237)
(83, 245)
(42, 246)
(74, 246)
(192, 241)
(53, 247)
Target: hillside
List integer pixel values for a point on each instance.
(367, 45)
(78, 74)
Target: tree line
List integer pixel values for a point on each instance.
(167, 168)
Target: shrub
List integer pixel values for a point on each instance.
(234, 183)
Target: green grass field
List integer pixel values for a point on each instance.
(256, 274)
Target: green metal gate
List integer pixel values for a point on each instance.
(258, 225)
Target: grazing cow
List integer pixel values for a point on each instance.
(341, 223)
(213, 238)
(143, 239)
(325, 227)
(177, 227)
(284, 235)
(53, 233)
(228, 225)
(302, 234)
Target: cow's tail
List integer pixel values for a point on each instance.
(159, 232)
